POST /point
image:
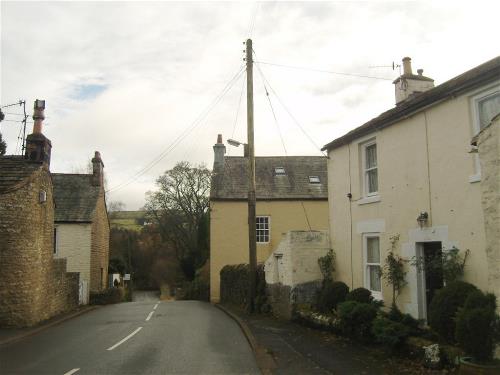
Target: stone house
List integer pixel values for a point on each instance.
(82, 227)
(412, 172)
(33, 285)
(291, 194)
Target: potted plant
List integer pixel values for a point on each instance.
(477, 332)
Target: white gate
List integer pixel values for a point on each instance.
(83, 293)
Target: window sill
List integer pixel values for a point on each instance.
(475, 178)
(377, 295)
(372, 199)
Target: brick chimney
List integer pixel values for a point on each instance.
(97, 170)
(38, 147)
(408, 84)
(219, 151)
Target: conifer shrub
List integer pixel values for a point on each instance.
(330, 295)
(445, 305)
(390, 333)
(361, 295)
(356, 319)
(477, 326)
(407, 320)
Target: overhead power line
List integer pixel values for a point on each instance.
(288, 111)
(323, 71)
(197, 122)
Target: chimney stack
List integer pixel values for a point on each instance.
(38, 147)
(408, 84)
(219, 151)
(97, 170)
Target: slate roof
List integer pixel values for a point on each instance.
(75, 197)
(14, 170)
(484, 73)
(231, 182)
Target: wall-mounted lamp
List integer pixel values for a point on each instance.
(422, 219)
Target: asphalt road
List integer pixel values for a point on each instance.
(143, 337)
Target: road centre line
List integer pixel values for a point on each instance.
(125, 339)
(72, 371)
(154, 308)
(149, 316)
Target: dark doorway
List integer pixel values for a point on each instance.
(433, 266)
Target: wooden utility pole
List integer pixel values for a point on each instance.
(252, 237)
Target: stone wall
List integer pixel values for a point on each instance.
(33, 286)
(488, 143)
(99, 247)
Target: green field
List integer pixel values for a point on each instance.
(131, 220)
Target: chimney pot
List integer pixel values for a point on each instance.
(407, 66)
(219, 138)
(420, 71)
(219, 151)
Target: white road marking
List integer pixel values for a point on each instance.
(72, 371)
(154, 308)
(125, 339)
(149, 316)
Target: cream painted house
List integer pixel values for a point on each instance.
(81, 233)
(291, 195)
(414, 161)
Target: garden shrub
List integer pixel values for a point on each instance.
(444, 307)
(330, 295)
(389, 333)
(197, 289)
(361, 295)
(407, 320)
(476, 326)
(107, 296)
(356, 319)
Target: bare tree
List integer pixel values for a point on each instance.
(180, 209)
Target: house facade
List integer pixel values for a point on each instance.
(410, 179)
(291, 194)
(33, 285)
(82, 226)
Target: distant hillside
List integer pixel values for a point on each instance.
(132, 220)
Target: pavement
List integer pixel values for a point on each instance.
(143, 337)
(295, 349)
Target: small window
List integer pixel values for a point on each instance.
(370, 169)
(487, 108)
(372, 265)
(262, 229)
(314, 180)
(279, 171)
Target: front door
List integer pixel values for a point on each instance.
(433, 272)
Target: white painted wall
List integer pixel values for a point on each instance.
(295, 260)
(73, 242)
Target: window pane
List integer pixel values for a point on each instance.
(374, 277)
(372, 250)
(371, 156)
(372, 177)
(488, 108)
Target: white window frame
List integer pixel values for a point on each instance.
(314, 180)
(366, 280)
(365, 170)
(476, 126)
(279, 171)
(268, 229)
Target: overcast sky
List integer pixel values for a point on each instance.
(129, 78)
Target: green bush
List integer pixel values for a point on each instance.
(356, 319)
(360, 295)
(195, 290)
(389, 333)
(330, 295)
(476, 326)
(407, 320)
(445, 305)
(107, 296)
